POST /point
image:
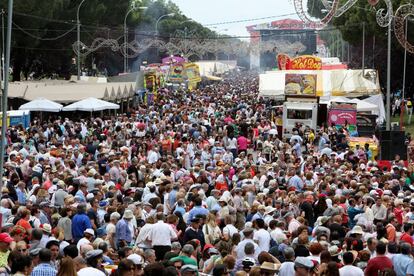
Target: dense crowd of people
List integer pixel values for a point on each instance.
(201, 183)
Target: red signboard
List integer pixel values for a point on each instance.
(283, 62)
(342, 113)
(306, 63)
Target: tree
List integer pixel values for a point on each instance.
(350, 25)
(44, 32)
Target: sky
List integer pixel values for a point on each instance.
(215, 11)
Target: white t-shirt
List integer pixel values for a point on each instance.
(161, 234)
(110, 228)
(350, 270)
(232, 143)
(82, 242)
(287, 269)
(90, 271)
(230, 230)
(263, 239)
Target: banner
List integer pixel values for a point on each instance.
(300, 84)
(306, 63)
(176, 73)
(342, 113)
(7, 120)
(192, 72)
(283, 61)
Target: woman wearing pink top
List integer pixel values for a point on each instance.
(242, 144)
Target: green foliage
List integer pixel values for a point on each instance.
(99, 18)
(350, 25)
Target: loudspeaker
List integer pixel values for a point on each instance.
(322, 114)
(384, 135)
(392, 143)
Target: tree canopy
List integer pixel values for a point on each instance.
(350, 25)
(44, 32)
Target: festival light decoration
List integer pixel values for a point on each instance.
(384, 17)
(402, 14)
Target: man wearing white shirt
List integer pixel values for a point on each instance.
(293, 224)
(261, 236)
(153, 156)
(248, 234)
(288, 266)
(348, 269)
(161, 236)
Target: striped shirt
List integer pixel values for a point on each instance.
(44, 269)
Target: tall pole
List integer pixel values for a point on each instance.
(126, 41)
(404, 72)
(3, 142)
(159, 19)
(363, 48)
(125, 48)
(373, 52)
(405, 58)
(126, 36)
(348, 56)
(3, 72)
(388, 123)
(78, 38)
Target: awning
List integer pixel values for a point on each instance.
(213, 78)
(67, 92)
(41, 104)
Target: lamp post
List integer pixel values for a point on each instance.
(3, 141)
(78, 34)
(217, 36)
(126, 35)
(185, 33)
(159, 19)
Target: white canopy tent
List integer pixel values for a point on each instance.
(90, 104)
(378, 101)
(347, 83)
(362, 106)
(41, 104)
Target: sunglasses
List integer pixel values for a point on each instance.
(178, 267)
(22, 250)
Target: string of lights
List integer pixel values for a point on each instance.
(401, 15)
(43, 38)
(249, 20)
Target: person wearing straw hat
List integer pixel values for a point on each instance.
(123, 235)
(89, 234)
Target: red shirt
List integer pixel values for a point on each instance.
(406, 238)
(379, 263)
(398, 213)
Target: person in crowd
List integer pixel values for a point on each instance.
(380, 263)
(44, 268)
(201, 181)
(67, 267)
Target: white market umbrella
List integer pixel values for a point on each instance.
(42, 104)
(91, 104)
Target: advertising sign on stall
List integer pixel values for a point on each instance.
(192, 72)
(306, 63)
(300, 84)
(176, 73)
(342, 113)
(283, 62)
